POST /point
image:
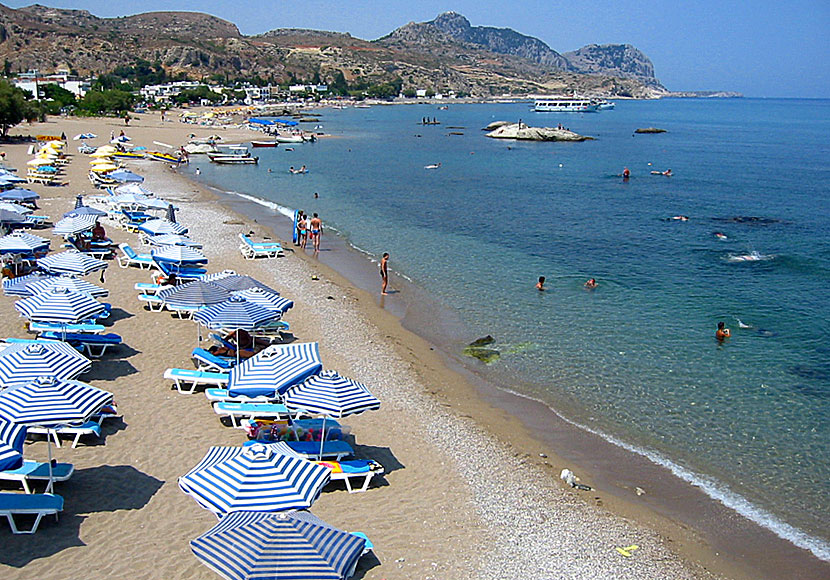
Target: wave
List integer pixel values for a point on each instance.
(750, 257)
(713, 488)
(284, 210)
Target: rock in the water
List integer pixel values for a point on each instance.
(484, 341)
(650, 130)
(486, 355)
(495, 125)
(522, 132)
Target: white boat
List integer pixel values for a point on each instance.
(289, 138)
(565, 105)
(203, 148)
(604, 105)
(235, 159)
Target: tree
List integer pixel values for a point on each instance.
(107, 101)
(197, 94)
(13, 107)
(56, 98)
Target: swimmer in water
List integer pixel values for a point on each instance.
(681, 218)
(433, 166)
(722, 332)
(626, 173)
(540, 285)
(591, 284)
(720, 236)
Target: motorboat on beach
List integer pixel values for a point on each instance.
(289, 138)
(200, 148)
(161, 156)
(565, 105)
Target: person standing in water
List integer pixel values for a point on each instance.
(384, 273)
(540, 285)
(722, 332)
(626, 173)
(316, 227)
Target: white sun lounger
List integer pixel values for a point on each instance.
(37, 471)
(38, 505)
(74, 431)
(219, 395)
(251, 250)
(131, 258)
(153, 302)
(150, 289)
(355, 469)
(186, 380)
(237, 411)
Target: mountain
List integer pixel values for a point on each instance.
(445, 54)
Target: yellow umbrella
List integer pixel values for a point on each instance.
(102, 154)
(54, 145)
(107, 148)
(38, 162)
(104, 161)
(104, 168)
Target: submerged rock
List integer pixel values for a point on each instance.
(650, 130)
(522, 132)
(476, 350)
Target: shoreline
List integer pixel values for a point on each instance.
(439, 382)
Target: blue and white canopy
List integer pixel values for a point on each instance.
(20, 286)
(71, 262)
(258, 477)
(59, 305)
(11, 177)
(11, 206)
(275, 369)
(236, 282)
(180, 255)
(270, 300)
(75, 224)
(235, 313)
(22, 363)
(133, 188)
(125, 176)
(162, 226)
(136, 200)
(84, 210)
(12, 437)
(194, 294)
(19, 194)
(172, 240)
(331, 394)
(47, 401)
(277, 546)
(22, 243)
(11, 217)
(69, 283)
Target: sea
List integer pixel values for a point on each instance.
(739, 233)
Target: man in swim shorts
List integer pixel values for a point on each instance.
(722, 332)
(316, 226)
(384, 273)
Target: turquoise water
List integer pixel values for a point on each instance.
(635, 359)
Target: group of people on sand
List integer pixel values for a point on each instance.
(589, 285)
(302, 169)
(309, 228)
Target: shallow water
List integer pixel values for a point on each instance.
(636, 358)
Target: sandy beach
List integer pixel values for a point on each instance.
(468, 491)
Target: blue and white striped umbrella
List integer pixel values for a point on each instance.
(236, 282)
(266, 299)
(22, 363)
(178, 255)
(275, 369)
(133, 188)
(22, 243)
(71, 262)
(12, 437)
(68, 282)
(161, 226)
(172, 240)
(11, 206)
(75, 224)
(235, 313)
(19, 194)
(20, 286)
(281, 546)
(47, 401)
(194, 294)
(259, 477)
(125, 176)
(11, 217)
(84, 210)
(59, 305)
(331, 394)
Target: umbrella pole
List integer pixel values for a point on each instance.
(322, 437)
(50, 485)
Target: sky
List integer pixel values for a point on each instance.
(761, 48)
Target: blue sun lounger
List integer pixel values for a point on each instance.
(181, 272)
(131, 258)
(94, 344)
(335, 450)
(186, 380)
(38, 505)
(238, 411)
(74, 431)
(207, 361)
(78, 328)
(37, 471)
(345, 471)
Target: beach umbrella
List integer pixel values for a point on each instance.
(11, 206)
(236, 282)
(85, 210)
(22, 363)
(11, 217)
(68, 282)
(133, 188)
(258, 477)
(161, 226)
(180, 255)
(84, 136)
(171, 213)
(19, 194)
(101, 161)
(38, 161)
(194, 294)
(126, 176)
(74, 224)
(71, 262)
(266, 299)
(275, 369)
(19, 286)
(59, 305)
(235, 313)
(172, 240)
(102, 154)
(22, 243)
(11, 177)
(12, 437)
(104, 168)
(284, 546)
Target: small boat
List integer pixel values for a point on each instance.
(289, 138)
(264, 143)
(235, 160)
(160, 156)
(565, 105)
(603, 105)
(200, 148)
(128, 155)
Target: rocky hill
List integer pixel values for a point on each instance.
(445, 54)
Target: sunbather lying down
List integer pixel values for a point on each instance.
(249, 345)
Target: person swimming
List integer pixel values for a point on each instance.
(722, 333)
(626, 173)
(540, 285)
(591, 284)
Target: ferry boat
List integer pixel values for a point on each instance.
(565, 105)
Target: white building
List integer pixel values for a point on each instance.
(34, 81)
(308, 88)
(158, 93)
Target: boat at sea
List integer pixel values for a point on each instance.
(604, 104)
(289, 138)
(565, 105)
(264, 143)
(235, 155)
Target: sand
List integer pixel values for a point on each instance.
(456, 501)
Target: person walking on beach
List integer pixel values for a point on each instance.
(316, 226)
(384, 273)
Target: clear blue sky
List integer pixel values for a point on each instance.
(762, 48)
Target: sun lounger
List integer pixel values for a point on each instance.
(37, 471)
(332, 450)
(181, 272)
(150, 289)
(79, 328)
(238, 411)
(207, 361)
(183, 312)
(153, 302)
(251, 250)
(94, 344)
(356, 469)
(130, 258)
(186, 380)
(74, 431)
(220, 395)
(38, 505)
